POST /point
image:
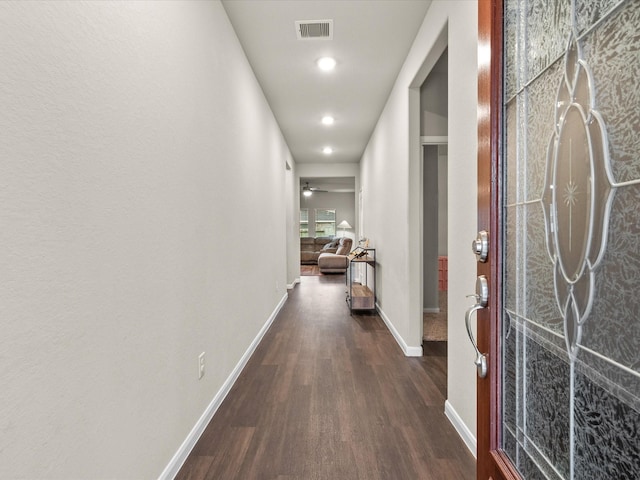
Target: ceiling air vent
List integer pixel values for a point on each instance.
(314, 29)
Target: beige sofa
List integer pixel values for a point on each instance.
(336, 262)
(311, 248)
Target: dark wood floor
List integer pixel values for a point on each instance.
(329, 396)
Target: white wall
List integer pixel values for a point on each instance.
(343, 203)
(328, 170)
(391, 164)
(293, 226)
(136, 148)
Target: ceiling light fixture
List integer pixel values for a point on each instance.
(326, 63)
(327, 120)
(306, 190)
(327, 150)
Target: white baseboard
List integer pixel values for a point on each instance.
(467, 435)
(174, 466)
(290, 286)
(431, 310)
(408, 351)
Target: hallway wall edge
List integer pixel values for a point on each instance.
(408, 350)
(467, 435)
(175, 464)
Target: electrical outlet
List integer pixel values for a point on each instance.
(201, 365)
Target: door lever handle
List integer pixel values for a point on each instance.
(481, 359)
(482, 300)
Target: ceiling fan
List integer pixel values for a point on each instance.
(307, 191)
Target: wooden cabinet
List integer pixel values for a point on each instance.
(361, 280)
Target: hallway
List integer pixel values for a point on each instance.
(329, 396)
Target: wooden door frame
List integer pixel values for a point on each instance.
(492, 461)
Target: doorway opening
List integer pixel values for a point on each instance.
(434, 235)
(434, 257)
(327, 213)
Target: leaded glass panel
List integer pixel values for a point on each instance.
(571, 320)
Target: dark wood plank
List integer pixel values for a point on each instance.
(327, 395)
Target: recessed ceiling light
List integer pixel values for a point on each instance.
(327, 150)
(327, 120)
(326, 63)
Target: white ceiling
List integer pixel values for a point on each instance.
(371, 39)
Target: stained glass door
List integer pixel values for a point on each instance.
(568, 387)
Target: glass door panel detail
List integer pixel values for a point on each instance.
(571, 320)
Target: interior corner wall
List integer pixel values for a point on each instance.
(390, 183)
(433, 101)
(430, 225)
(443, 202)
(136, 146)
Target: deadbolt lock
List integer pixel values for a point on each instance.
(480, 246)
